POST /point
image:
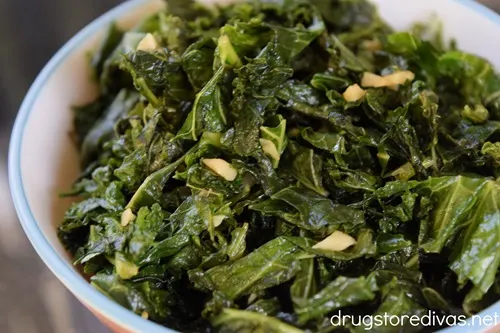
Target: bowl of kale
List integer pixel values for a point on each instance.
(270, 166)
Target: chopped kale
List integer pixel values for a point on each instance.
(259, 166)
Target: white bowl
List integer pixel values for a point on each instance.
(43, 161)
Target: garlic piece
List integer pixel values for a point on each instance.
(398, 78)
(372, 80)
(221, 168)
(372, 45)
(337, 241)
(354, 93)
(217, 220)
(270, 149)
(148, 43)
(127, 217)
(391, 80)
(126, 270)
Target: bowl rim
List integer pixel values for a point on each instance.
(64, 271)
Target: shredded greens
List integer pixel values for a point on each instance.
(260, 166)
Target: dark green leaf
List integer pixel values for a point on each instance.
(271, 264)
(307, 168)
(208, 113)
(340, 293)
(232, 320)
(310, 211)
(102, 130)
(197, 62)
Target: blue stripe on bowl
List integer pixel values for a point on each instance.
(54, 260)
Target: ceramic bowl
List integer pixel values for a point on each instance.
(43, 161)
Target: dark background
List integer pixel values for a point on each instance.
(31, 31)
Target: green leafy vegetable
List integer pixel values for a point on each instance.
(310, 211)
(233, 320)
(208, 112)
(341, 292)
(274, 140)
(271, 264)
(262, 165)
